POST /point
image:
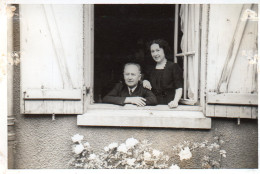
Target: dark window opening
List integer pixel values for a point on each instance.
(122, 34)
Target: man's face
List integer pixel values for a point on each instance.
(131, 75)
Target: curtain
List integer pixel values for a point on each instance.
(190, 36)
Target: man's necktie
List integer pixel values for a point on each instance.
(130, 92)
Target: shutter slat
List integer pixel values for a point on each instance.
(51, 94)
(232, 99)
(232, 53)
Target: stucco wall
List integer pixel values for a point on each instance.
(44, 143)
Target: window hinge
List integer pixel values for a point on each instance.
(238, 121)
(53, 117)
(86, 90)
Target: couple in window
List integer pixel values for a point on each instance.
(163, 86)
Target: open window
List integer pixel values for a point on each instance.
(120, 34)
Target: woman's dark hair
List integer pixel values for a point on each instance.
(164, 45)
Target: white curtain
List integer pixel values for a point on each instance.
(191, 41)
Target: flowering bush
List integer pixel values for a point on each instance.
(134, 154)
(212, 152)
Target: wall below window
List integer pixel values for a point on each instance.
(43, 143)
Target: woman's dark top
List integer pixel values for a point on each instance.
(165, 81)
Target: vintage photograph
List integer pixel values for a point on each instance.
(132, 86)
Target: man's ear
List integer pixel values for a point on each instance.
(140, 76)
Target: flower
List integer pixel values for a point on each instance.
(221, 141)
(112, 145)
(92, 156)
(78, 148)
(131, 162)
(77, 138)
(156, 153)
(122, 148)
(87, 144)
(174, 166)
(202, 145)
(131, 142)
(215, 145)
(205, 158)
(185, 154)
(210, 147)
(106, 148)
(147, 156)
(223, 153)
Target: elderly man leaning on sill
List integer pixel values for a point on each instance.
(131, 92)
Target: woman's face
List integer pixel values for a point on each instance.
(157, 53)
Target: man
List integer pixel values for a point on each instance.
(131, 92)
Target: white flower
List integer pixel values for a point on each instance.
(131, 162)
(202, 145)
(185, 154)
(106, 148)
(223, 153)
(215, 145)
(87, 144)
(131, 142)
(77, 138)
(122, 148)
(174, 166)
(156, 153)
(112, 145)
(221, 141)
(147, 156)
(92, 156)
(78, 148)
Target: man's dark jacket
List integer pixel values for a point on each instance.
(120, 92)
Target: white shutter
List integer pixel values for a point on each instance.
(51, 40)
(232, 69)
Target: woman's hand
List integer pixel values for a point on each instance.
(173, 104)
(147, 84)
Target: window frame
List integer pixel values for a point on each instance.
(185, 53)
(89, 105)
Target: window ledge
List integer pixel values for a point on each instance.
(134, 107)
(144, 117)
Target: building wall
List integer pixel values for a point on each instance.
(45, 143)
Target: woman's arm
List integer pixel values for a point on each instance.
(177, 97)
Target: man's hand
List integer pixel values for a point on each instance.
(147, 84)
(139, 101)
(173, 104)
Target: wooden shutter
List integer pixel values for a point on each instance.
(190, 46)
(51, 38)
(231, 64)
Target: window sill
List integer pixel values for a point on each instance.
(149, 116)
(99, 106)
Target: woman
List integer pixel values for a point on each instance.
(166, 78)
